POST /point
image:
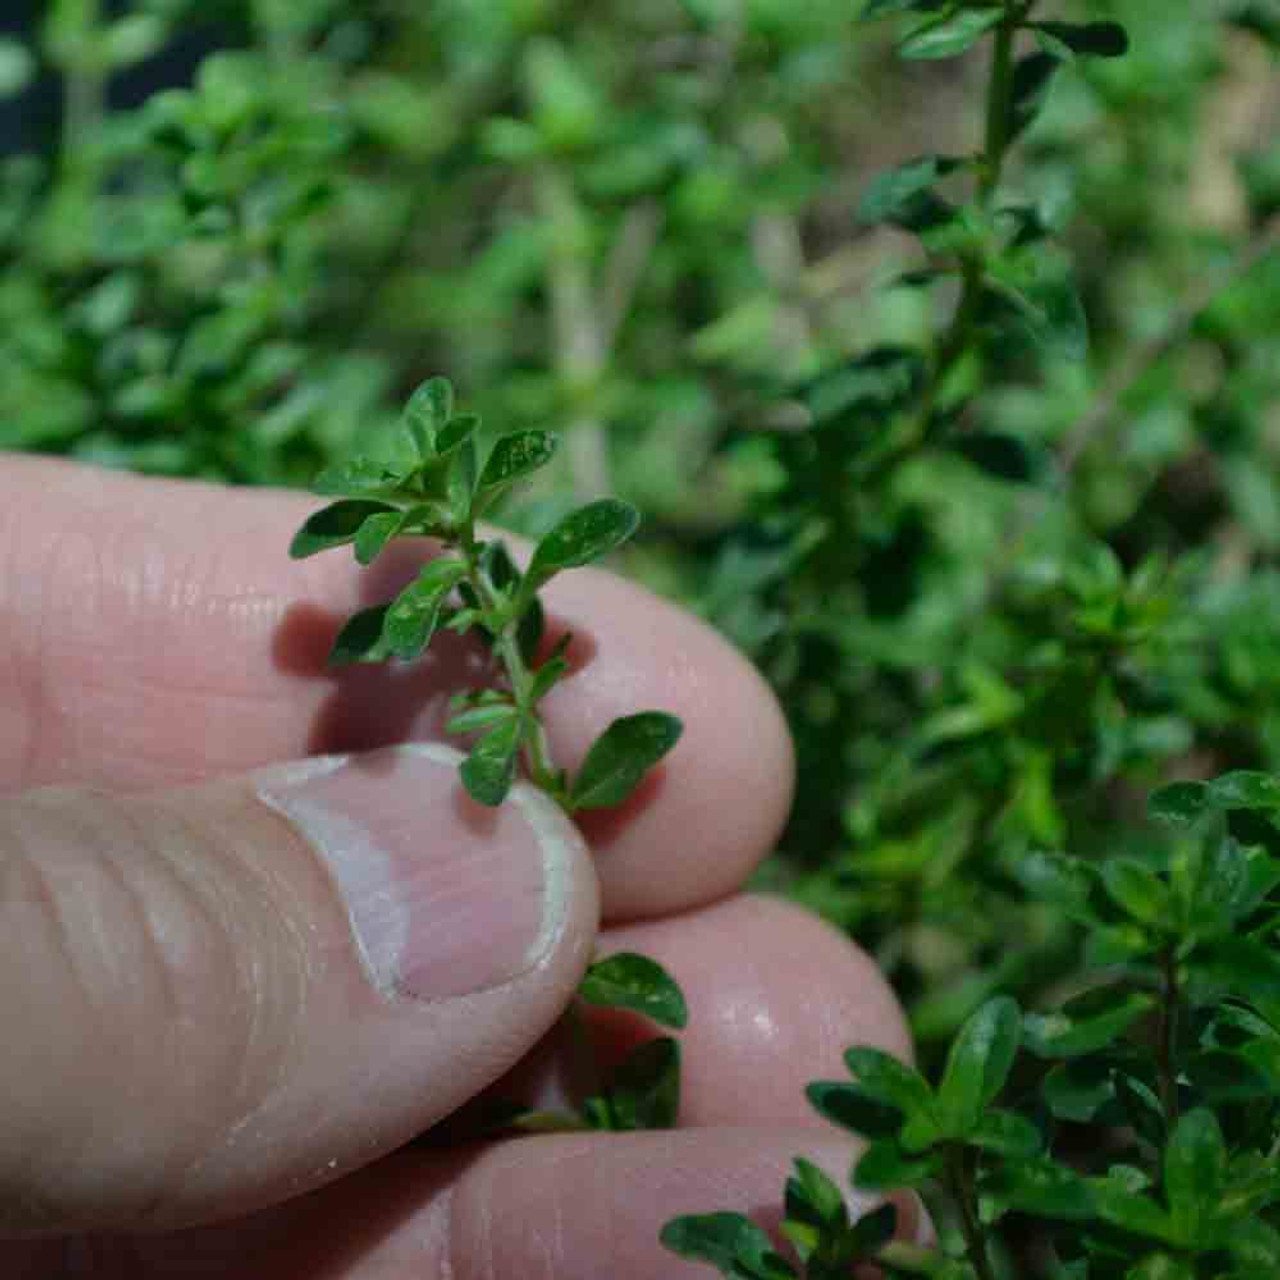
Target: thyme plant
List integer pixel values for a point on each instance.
(438, 488)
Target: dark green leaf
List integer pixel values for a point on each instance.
(1139, 891)
(1031, 79)
(1094, 39)
(460, 428)
(884, 1166)
(629, 981)
(415, 613)
(950, 35)
(815, 1209)
(1141, 1106)
(877, 381)
(490, 769)
(1066, 883)
(335, 526)
(1195, 1165)
(727, 1241)
(360, 640)
(1003, 456)
(1005, 1133)
(516, 456)
(887, 1080)
(1068, 1035)
(873, 1231)
(852, 1108)
(1048, 307)
(621, 756)
(978, 1064)
(375, 533)
(1246, 967)
(1180, 804)
(903, 196)
(645, 1090)
(1078, 1089)
(583, 536)
(427, 413)
(1130, 1210)
(1041, 1186)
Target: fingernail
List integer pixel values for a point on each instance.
(445, 897)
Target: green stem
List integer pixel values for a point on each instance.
(960, 1178)
(999, 96)
(1167, 1038)
(503, 624)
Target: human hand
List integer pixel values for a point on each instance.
(207, 1070)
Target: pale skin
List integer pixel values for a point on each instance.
(156, 645)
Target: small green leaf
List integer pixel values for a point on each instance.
(645, 1090)
(1092, 39)
(1245, 789)
(427, 413)
(1138, 890)
(1130, 1210)
(516, 456)
(1195, 1166)
(852, 1108)
(734, 1245)
(583, 536)
(978, 1064)
(1032, 76)
(903, 196)
(887, 1080)
(950, 35)
(375, 533)
(415, 613)
(621, 756)
(462, 482)
(361, 639)
(630, 981)
(884, 1166)
(481, 719)
(1041, 1186)
(812, 1198)
(335, 526)
(1006, 1133)
(1180, 804)
(1085, 1030)
(873, 1231)
(460, 428)
(545, 678)
(489, 771)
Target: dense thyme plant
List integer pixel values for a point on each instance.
(1167, 1046)
(437, 488)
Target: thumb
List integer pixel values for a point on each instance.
(215, 998)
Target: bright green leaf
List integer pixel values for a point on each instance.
(621, 756)
(1133, 886)
(516, 456)
(1195, 1166)
(635, 982)
(427, 413)
(415, 613)
(583, 536)
(950, 35)
(375, 533)
(489, 771)
(1180, 804)
(978, 1064)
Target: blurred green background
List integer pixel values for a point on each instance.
(236, 234)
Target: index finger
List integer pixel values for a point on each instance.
(155, 633)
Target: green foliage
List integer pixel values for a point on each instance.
(472, 584)
(975, 458)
